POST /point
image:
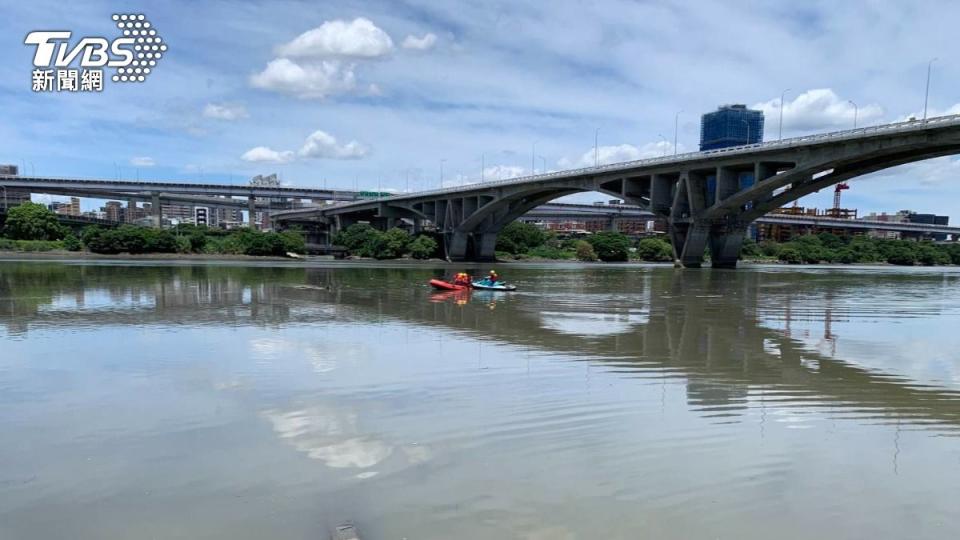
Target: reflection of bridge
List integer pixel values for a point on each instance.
(613, 212)
(712, 330)
(707, 197)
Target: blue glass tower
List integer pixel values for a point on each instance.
(730, 125)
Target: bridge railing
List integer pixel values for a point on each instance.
(882, 129)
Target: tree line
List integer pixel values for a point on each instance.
(33, 227)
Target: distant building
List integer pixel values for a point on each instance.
(730, 125)
(71, 208)
(113, 211)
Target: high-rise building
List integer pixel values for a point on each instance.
(730, 125)
(114, 211)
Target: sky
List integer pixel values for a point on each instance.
(385, 94)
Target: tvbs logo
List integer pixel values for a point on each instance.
(133, 55)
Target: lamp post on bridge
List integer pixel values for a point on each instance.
(533, 158)
(665, 143)
(926, 95)
(856, 110)
(676, 124)
(748, 129)
(780, 126)
(596, 147)
(544, 161)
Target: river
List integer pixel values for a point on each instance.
(246, 401)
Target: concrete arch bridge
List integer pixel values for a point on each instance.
(708, 198)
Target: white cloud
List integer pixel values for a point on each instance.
(321, 144)
(317, 80)
(931, 113)
(424, 43)
(142, 161)
(224, 111)
(359, 38)
(504, 172)
(816, 110)
(620, 153)
(264, 154)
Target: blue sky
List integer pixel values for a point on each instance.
(375, 93)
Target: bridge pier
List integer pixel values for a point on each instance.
(252, 211)
(456, 244)
(725, 244)
(689, 243)
(156, 209)
(486, 245)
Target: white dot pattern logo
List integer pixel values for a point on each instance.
(148, 49)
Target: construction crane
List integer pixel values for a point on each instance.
(836, 197)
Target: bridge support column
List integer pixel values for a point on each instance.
(252, 211)
(486, 246)
(157, 210)
(725, 244)
(455, 244)
(689, 243)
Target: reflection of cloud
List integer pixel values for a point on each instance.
(330, 436)
(333, 436)
(590, 324)
(324, 356)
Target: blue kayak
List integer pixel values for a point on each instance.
(485, 285)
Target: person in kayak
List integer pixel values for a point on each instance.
(462, 278)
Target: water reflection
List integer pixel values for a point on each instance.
(738, 340)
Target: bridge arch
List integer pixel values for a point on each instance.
(708, 198)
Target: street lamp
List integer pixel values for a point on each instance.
(748, 129)
(676, 123)
(856, 111)
(926, 96)
(665, 143)
(780, 126)
(596, 147)
(544, 161)
(533, 158)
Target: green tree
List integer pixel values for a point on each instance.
(584, 251)
(830, 241)
(32, 221)
(901, 255)
(610, 246)
(846, 256)
(519, 237)
(293, 241)
(423, 247)
(929, 255)
(392, 244)
(750, 249)
(770, 248)
(790, 254)
(72, 243)
(359, 239)
(654, 249)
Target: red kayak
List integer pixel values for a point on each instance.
(446, 285)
